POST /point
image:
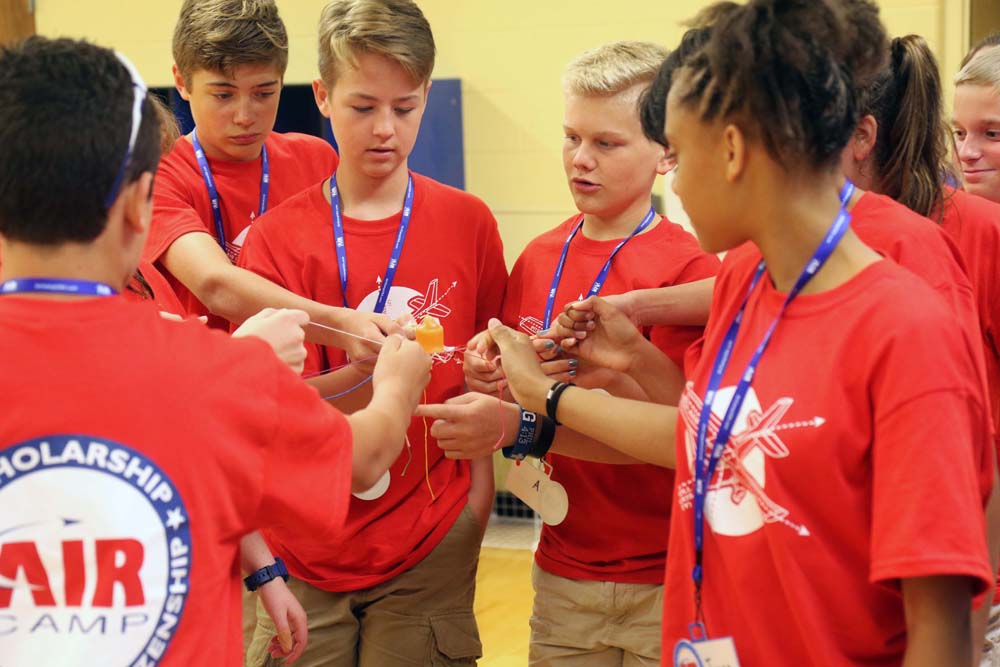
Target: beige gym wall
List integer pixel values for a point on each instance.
(509, 56)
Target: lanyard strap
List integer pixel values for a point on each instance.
(213, 193)
(341, 248)
(56, 286)
(602, 276)
(704, 467)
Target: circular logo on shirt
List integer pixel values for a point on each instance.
(396, 304)
(95, 554)
(731, 507)
(737, 502)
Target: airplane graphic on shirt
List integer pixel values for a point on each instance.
(737, 502)
(234, 247)
(532, 325)
(404, 300)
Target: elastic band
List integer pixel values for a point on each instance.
(138, 97)
(552, 399)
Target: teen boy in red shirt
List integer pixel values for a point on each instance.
(229, 62)
(598, 575)
(404, 245)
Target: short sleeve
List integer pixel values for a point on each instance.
(175, 211)
(513, 295)
(259, 257)
(931, 441)
(492, 273)
(674, 341)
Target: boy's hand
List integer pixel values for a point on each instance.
(281, 329)
(599, 333)
(404, 367)
(525, 377)
(470, 426)
(289, 620)
(481, 367)
(368, 329)
(626, 304)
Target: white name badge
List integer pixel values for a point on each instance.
(377, 491)
(706, 653)
(537, 490)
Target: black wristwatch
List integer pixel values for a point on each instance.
(266, 574)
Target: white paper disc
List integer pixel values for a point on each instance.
(377, 491)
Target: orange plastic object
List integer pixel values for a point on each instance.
(430, 335)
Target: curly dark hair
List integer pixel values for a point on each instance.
(65, 124)
(785, 72)
(653, 103)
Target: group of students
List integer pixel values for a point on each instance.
(786, 457)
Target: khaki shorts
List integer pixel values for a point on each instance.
(249, 617)
(421, 617)
(991, 648)
(594, 623)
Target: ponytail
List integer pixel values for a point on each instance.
(911, 147)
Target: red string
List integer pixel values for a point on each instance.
(427, 469)
(503, 422)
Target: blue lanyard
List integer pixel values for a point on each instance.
(213, 193)
(397, 248)
(56, 286)
(602, 276)
(705, 468)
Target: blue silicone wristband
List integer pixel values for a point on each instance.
(525, 437)
(266, 574)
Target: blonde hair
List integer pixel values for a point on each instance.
(983, 69)
(613, 68)
(221, 35)
(395, 29)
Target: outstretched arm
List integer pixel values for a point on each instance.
(684, 304)
(234, 293)
(644, 431)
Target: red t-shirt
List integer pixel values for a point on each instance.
(918, 245)
(134, 455)
(913, 242)
(922, 247)
(162, 294)
(451, 267)
(974, 224)
(618, 514)
(181, 204)
(859, 458)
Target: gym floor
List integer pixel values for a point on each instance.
(503, 591)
